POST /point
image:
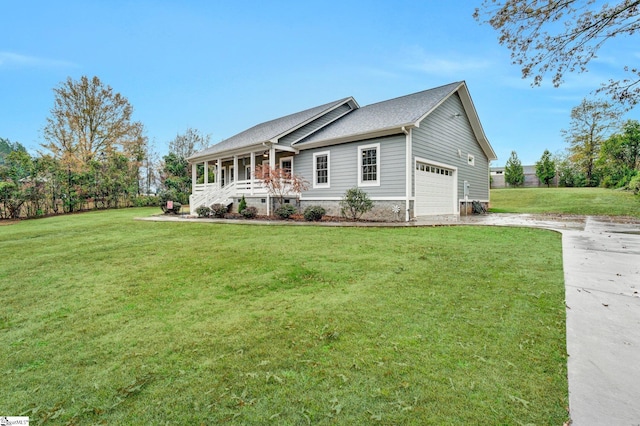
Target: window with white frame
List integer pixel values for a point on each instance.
(369, 165)
(286, 164)
(321, 169)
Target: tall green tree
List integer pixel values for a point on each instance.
(513, 171)
(7, 147)
(556, 37)
(619, 159)
(546, 168)
(591, 123)
(176, 175)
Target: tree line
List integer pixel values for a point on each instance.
(94, 156)
(602, 152)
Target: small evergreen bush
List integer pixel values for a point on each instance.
(203, 211)
(249, 212)
(285, 211)
(314, 213)
(355, 203)
(242, 205)
(218, 210)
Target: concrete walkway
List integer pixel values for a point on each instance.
(601, 258)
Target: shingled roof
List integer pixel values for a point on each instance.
(269, 130)
(392, 114)
(373, 120)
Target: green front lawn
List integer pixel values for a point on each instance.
(109, 320)
(580, 201)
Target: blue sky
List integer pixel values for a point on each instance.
(221, 67)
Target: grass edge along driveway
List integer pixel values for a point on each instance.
(106, 319)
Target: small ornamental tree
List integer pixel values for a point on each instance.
(280, 182)
(513, 171)
(546, 168)
(355, 203)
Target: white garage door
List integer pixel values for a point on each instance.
(434, 190)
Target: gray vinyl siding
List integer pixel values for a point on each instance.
(344, 163)
(439, 138)
(316, 124)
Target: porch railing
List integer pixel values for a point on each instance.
(212, 193)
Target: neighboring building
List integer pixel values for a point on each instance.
(530, 178)
(420, 154)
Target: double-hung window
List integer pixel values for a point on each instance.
(369, 165)
(321, 169)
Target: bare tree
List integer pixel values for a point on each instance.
(186, 144)
(280, 182)
(563, 36)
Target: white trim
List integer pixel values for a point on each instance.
(408, 172)
(315, 171)
(361, 148)
(398, 198)
(461, 200)
(287, 159)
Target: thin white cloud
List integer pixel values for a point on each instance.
(10, 59)
(445, 64)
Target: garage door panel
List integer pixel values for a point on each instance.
(434, 190)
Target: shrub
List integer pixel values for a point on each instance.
(146, 201)
(249, 212)
(314, 213)
(242, 205)
(285, 211)
(174, 210)
(218, 210)
(203, 211)
(166, 196)
(355, 203)
(634, 184)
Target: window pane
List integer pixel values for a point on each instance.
(369, 165)
(322, 169)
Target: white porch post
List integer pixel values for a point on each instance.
(235, 168)
(253, 168)
(206, 173)
(218, 173)
(194, 177)
(272, 165)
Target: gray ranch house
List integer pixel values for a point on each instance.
(416, 155)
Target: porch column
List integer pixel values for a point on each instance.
(253, 167)
(206, 173)
(194, 177)
(235, 169)
(218, 173)
(272, 158)
(272, 166)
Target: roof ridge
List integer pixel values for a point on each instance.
(455, 83)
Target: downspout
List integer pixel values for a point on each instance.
(409, 169)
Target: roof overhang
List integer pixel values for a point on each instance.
(472, 115)
(395, 130)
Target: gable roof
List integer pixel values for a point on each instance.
(388, 117)
(375, 120)
(271, 130)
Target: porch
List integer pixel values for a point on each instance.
(223, 179)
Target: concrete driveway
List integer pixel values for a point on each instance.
(601, 259)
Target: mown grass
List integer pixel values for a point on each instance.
(115, 321)
(579, 201)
